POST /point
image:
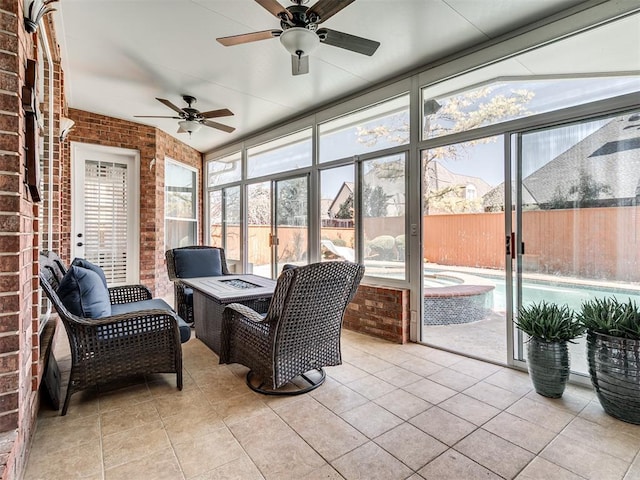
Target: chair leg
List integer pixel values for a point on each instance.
(67, 397)
(314, 378)
(179, 379)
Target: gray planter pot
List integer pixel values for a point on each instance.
(614, 366)
(548, 364)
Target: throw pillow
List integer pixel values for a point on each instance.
(83, 293)
(197, 262)
(84, 263)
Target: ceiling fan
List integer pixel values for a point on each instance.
(300, 34)
(191, 120)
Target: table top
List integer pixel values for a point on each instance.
(233, 288)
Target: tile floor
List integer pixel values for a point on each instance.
(389, 412)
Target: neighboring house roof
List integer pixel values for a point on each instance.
(440, 177)
(325, 206)
(609, 155)
(345, 190)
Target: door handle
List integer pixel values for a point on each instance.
(79, 244)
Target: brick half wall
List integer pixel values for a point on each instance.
(381, 312)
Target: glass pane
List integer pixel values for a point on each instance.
(232, 247)
(374, 128)
(337, 230)
(215, 218)
(224, 170)
(259, 228)
(280, 155)
(464, 296)
(180, 233)
(180, 191)
(383, 216)
(292, 224)
(510, 99)
(580, 215)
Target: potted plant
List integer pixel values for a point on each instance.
(549, 327)
(613, 351)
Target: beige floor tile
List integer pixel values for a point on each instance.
(208, 452)
(134, 444)
(570, 403)
(494, 453)
(66, 432)
(634, 470)
(238, 469)
(411, 445)
(540, 414)
(162, 465)
(192, 424)
(443, 425)
(470, 409)
(371, 462)
(371, 387)
(453, 379)
(327, 472)
(398, 376)
(239, 408)
(172, 403)
(475, 368)
(539, 468)
(441, 357)
(494, 396)
(339, 399)
(124, 398)
(216, 375)
(371, 419)
(422, 366)
(585, 461)
(126, 418)
(275, 448)
(403, 404)
(512, 380)
(452, 465)
(519, 431)
(82, 404)
(596, 414)
(327, 433)
(370, 363)
(345, 373)
(430, 391)
(77, 461)
(165, 383)
(616, 443)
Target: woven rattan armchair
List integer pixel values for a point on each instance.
(286, 349)
(110, 348)
(184, 294)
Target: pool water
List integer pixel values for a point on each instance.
(431, 280)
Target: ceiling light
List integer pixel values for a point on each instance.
(34, 10)
(189, 126)
(66, 124)
(299, 41)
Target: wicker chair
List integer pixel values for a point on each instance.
(114, 347)
(286, 349)
(183, 293)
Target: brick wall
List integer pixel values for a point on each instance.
(382, 312)
(152, 144)
(19, 371)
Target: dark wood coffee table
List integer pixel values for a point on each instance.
(212, 294)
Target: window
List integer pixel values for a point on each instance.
(470, 192)
(180, 206)
(337, 214)
(383, 215)
(224, 170)
(373, 128)
(280, 155)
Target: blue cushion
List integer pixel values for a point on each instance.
(197, 262)
(154, 303)
(84, 294)
(84, 263)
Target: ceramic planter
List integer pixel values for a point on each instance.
(548, 364)
(614, 366)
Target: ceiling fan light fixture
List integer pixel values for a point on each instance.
(190, 126)
(299, 41)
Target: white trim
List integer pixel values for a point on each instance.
(196, 197)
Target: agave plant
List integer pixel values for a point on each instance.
(549, 322)
(611, 317)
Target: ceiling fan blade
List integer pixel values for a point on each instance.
(248, 37)
(328, 8)
(348, 42)
(170, 105)
(156, 116)
(217, 125)
(223, 112)
(275, 8)
(299, 65)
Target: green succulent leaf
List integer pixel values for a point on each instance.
(549, 322)
(611, 317)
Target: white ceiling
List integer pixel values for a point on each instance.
(119, 55)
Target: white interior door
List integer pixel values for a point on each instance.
(105, 206)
